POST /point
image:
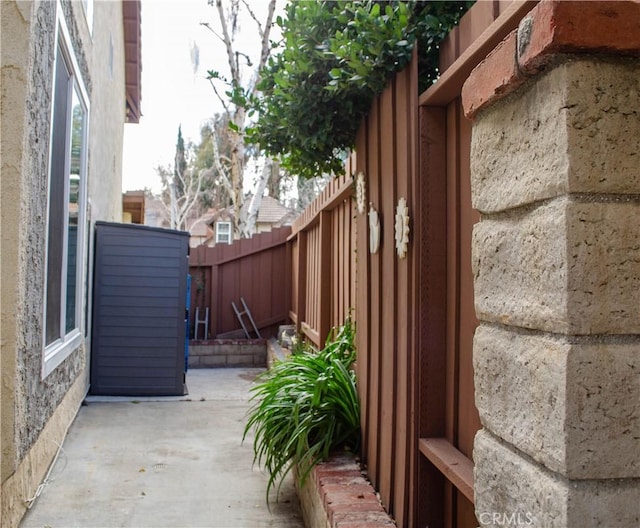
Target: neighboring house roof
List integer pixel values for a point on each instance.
(200, 228)
(271, 213)
(133, 61)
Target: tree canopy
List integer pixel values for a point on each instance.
(336, 57)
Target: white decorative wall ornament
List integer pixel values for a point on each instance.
(402, 228)
(361, 193)
(374, 230)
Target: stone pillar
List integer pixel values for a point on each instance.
(555, 168)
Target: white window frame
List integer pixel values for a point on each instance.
(58, 350)
(223, 237)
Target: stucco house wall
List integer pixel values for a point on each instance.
(38, 406)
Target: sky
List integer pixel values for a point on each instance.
(173, 94)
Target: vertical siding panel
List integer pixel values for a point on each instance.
(389, 297)
(295, 277)
(325, 228)
(403, 108)
(341, 268)
(375, 299)
(344, 260)
(354, 256)
(468, 419)
(317, 286)
(214, 299)
(311, 279)
(336, 274)
(362, 304)
(301, 294)
(453, 296)
(453, 273)
(412, 322)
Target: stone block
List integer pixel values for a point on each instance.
(570, 404)
(568, 266)
(239, 360)
(570, 132)
(520, 269)
(212, 361)
(512, 490)
(198, 350)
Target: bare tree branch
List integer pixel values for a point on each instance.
(252, 14)
(220, 98)
(208, 26)
(233, 63)
(265, 49)
(266, 46)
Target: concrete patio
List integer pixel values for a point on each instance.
(163, 462)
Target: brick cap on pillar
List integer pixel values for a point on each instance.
(551, 28)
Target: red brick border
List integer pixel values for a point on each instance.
(552, 27)
(347, 497)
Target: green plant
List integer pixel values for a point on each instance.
(336, 57)
(306, 407)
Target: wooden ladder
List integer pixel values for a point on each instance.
(247, 312)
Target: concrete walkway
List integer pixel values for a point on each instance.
(163, 462)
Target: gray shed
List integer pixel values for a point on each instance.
(139, 310)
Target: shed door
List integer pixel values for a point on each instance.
(139, 311)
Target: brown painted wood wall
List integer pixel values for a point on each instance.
(386, 150)
(447, 422)
(414, 316)
(256, 269)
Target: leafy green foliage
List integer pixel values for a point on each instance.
(337, 56)
(305, 407)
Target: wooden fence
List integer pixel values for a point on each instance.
(414, 316)
(256, 269)
(447, 418)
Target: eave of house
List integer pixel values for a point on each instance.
(131, 14)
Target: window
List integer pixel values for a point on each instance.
(65, 227)
(223, 232)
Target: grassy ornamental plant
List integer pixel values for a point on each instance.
(305, 407)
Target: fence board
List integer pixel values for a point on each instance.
(362, 312)
(405, 132)
(389, 294)
(373, 397)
